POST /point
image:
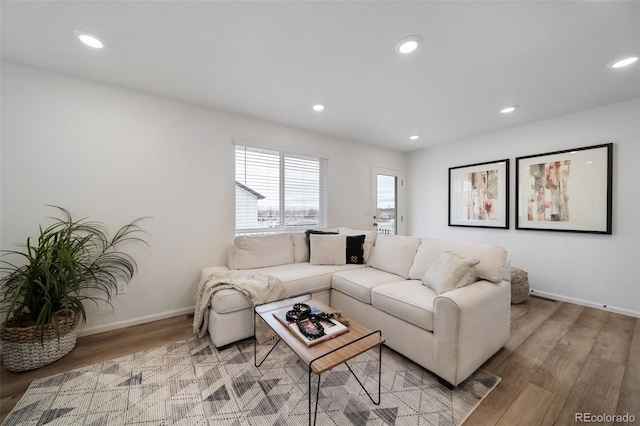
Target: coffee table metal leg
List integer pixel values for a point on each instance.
(255, 345)
(379, 378)
(255, 352)
(315, 413)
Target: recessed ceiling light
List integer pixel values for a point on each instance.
(318, 107)
(414, 137)
(510, 108)
(90, 40)
(623, 62)
(408, 44)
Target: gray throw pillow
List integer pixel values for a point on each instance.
(328, 249)
(449, 272)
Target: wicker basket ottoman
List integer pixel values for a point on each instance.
(519, 286)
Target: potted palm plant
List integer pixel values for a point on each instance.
(42, 291)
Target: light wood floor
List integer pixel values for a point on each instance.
(561, 359)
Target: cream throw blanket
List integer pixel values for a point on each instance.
(257, 288)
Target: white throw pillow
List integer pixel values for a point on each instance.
(449, 272)
(394, 254)
(327, 249)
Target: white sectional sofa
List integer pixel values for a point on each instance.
(450, 334)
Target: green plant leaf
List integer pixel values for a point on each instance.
(73, 261)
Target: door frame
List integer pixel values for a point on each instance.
(399, 175)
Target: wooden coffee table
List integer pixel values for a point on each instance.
(325, 355)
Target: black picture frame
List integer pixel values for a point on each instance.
(566, 191)
(479, 195)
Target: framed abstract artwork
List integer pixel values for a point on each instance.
(568, 190)
(479, 195)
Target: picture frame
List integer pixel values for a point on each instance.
(479, 195)
(566, 191)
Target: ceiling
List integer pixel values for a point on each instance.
(274, 60)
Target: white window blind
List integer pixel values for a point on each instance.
(279, 191)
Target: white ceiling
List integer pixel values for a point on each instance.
(273, 60)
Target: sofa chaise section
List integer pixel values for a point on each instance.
(231, 315)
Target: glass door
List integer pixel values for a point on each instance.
(385, 205)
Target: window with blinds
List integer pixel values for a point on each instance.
(279, 191)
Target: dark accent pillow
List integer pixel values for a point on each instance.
(355, 249)
(313, 231)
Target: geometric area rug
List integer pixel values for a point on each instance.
(190, 382)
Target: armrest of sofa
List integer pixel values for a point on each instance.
(470, 325)
(212, 270)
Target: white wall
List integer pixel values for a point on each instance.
(589, 269)
(113, 155)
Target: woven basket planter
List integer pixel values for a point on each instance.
(519, 286)
(23, 350)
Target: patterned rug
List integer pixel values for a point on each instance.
(192, 383)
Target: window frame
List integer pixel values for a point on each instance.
(281, 227)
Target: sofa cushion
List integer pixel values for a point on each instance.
(450, 271)
(394, 254)
(358, 283)
(297, 278)
(492, 258)
(300, 247)
(408, 300)
(355, 249)
(300, 278)
(256, 251)
(369, 240)
(327, 249)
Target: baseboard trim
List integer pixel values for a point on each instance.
(185, 311)
(601, 306)
(86, 331)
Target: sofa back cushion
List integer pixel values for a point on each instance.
(394, 254)
(492, 258)
(300, 247)
(257, 251)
